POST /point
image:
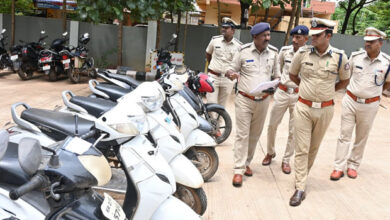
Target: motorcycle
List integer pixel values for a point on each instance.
(5, 60)
(56, 60)
(30, 57)
(82, 64)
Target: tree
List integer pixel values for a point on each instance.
(349, 7)
(22, 7)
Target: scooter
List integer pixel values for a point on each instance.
(58, 185)
(137, 156)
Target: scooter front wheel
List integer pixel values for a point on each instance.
(221, 122)
(205, 159)
(73, 75)
(194, 198)
(25, 75)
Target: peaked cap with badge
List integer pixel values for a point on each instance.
(319, 25)
(372, 33)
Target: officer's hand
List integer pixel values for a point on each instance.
(270, 90)
(232, 75)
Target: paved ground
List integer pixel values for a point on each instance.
(266, 194)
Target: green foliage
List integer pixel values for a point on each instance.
(380, 15)
(22, 7)
(105, 11)
(266, 3)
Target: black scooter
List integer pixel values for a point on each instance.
(5, 60)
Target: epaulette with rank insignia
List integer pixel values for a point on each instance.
(357, 53)
(305, 48)
(218, 36)
(285, 48)
(245, 46)
(272, 48)
(386, 56)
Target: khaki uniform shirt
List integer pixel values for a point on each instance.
(285, 57)
(363, 70)
(254, 66)
(318, 72)
(222, 52)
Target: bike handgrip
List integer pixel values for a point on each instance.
(89, 134)
(36, 182)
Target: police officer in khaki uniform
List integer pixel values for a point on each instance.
(257, 62)
(369, 69)
(219, 54)
(285, 98)
(318, 66)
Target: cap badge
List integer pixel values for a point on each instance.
(314, 23)
(299, 31)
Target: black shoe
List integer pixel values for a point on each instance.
(297, 198)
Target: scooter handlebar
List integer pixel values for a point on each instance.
(36, 182)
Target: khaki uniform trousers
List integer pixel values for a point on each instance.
(222, 89)
(282, 102)
(310, 125)
(250, 118)
(354, 114)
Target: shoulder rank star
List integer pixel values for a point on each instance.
(314, 23)
(346, 66)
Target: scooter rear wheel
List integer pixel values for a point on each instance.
(194, 198)
(25, 75)
(205, 159)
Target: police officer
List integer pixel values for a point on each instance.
(219, 54)
(285, 98)
(257, 62)
(369, 69)
(318, 66)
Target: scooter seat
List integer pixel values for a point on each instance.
(57, 125)
(94, 106)
(113, 91)
(123, 78)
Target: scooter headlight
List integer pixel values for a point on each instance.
(135, 126)
(152, 103)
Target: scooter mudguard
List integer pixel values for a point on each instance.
(214, 106)
(204, 125)
(185, 172)
(198, 138)
(174, 209)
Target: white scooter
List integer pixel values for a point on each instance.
(163, 133)
(151, 182)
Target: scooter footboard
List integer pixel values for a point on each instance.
(173, 209)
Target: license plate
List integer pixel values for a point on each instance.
(14, 57)
(111, 209)
(46, 67)
(66, 66)
(66, 61)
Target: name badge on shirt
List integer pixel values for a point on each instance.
(359, 67)
(287, 61)
(249, 61)
(217, 47)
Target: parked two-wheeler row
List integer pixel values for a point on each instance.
(57, 60)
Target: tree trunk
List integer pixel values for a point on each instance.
(290, 23)
(158, 33)
(354, 32)
(185, 34)
(178, 30)
(347, 15)
(64, 15)
(254, 21)
(120, 38)
(171, 17)
(219, 16)
(13, 23)
(298, 13)
(244, 14)
(266, 15)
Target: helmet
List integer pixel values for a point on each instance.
(176, 81)
(201, 83)
(84, 38)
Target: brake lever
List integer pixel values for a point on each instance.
(55, 196)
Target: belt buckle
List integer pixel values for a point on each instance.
(258, 98)
(290, 90)
(316, 104)
(360, 100)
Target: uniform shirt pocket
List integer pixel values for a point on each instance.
(307, 69)
(250, 65)
(270, 64)
(218, 50)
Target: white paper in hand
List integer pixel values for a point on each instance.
(263, 86)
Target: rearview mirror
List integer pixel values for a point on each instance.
(3, 31)
(65, 33)
(29, 155)
(43, 32)
(174, 36)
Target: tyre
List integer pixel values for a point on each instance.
(194, 198)
(25, 75)
(52, 75)
(73, 75)
(221, 122)
(92, 73)
(205, 159)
